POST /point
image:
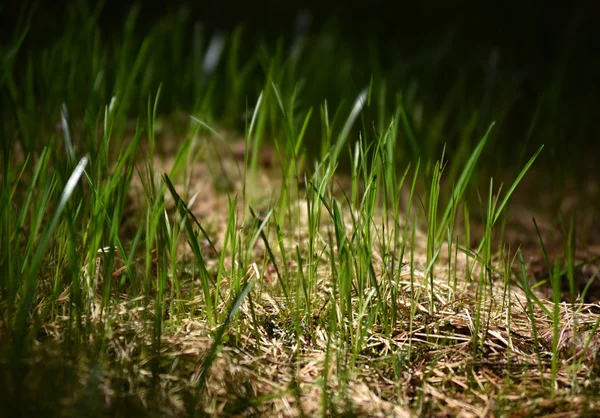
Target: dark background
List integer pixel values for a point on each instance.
(531, 34)
(552, 50)
(533, 29)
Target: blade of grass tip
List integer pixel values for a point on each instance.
(187, 210)
(300, 137)
(254, 116)
(64, 119)
(279, 101)
(36, 262)
(515, 184)
(359, 103)
(462, 183)
(271, 256)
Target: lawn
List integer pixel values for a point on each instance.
(193, 227)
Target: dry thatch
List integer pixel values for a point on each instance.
(434, 365)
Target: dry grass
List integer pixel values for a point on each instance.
(428, 369)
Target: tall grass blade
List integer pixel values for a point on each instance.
(510, 191)
(38, 257)
(461, 184)
(234, 306)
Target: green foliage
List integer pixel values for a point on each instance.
(61, 222)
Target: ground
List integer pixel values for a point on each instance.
(456, 337)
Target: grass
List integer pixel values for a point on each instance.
(147, 270)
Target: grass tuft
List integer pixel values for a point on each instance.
(292, 245)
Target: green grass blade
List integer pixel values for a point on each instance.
(235, 304)
(510, 191)
(40, 252)
(461, 184)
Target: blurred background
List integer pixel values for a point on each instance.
(529, 66)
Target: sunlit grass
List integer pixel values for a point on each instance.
(342, 280)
